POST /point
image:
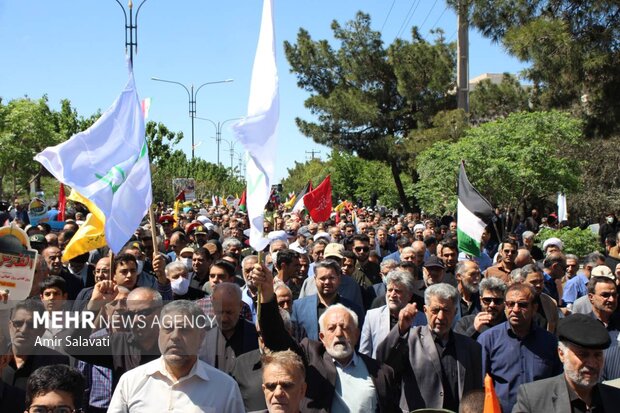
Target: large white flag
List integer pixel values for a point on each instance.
(109, 164)
(562, 210)
(257, 131)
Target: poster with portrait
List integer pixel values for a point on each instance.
(187, 185)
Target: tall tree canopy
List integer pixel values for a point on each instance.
(367, 97)
(523, 156)
(573, 48)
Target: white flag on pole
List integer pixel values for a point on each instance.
(109, 164)
(562, 210)
(257, 131)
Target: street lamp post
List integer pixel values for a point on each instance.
(218, 132)
(131, 28)
(231, 149)
(191, 94)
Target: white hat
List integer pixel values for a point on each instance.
(418, 227)
(553, 241)
(602, 271)
(277, 235)
(322, 235)
(203, 220)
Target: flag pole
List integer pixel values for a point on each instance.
(153, 228)
(111, 254)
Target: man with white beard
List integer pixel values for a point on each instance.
(582, 340)
(338, 378)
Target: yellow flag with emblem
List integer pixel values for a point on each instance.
(91, 235)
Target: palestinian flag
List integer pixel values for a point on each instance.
(473, 214)
(299, 205)
(243, 204)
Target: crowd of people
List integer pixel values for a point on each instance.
(367, 312)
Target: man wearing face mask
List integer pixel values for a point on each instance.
(82, 270)
(177, 274)
(185, 257)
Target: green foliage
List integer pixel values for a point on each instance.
(352, 178)
(508, 161)
(366, 98)
(572, 49)
(580, 242)
(490, 101)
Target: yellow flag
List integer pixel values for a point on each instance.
(340, 206)
(91, 234)
(290, 203)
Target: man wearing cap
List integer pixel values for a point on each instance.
(580, 348)
(348, 288)
(433, 273)
(38, 242)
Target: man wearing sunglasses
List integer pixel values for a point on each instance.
(27, 351)
(366, 273)
(55, 389)
(492, 293)
(518, 351)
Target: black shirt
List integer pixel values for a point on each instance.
(321, 307)
(449, 371)
(579, 406)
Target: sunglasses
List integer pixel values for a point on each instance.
(20, 324)
(286, 385)
(495, 300)
(521, 304)
(361, 249)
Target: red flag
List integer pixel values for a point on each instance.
(181, 196)
(319, 201)
(62, 203)
(243, 203)
(491, 402)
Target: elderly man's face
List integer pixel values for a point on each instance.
(470, 277)
(283, 388)
(227, 307)
(339, 334)
(520, 308)
(582, 366)
(397, 296)
(492, 302)
(284, 297)
(102, 269)
(53, 258)
(440, 313)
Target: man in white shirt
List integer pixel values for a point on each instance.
(178, 381)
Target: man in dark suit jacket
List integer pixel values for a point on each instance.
(339, 335)
(582, 340)
(307, 310)
(437, 366)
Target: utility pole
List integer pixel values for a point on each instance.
(462, 56)
(312, 152)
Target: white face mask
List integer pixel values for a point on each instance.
(610, 220)
(180, 285)
(140, 266)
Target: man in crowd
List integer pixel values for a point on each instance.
(178, 380)
(577, 286)
(554, 267)
(284, 381)
(582, 340)
(201, 262)
(508, 253)
(308, 310)
(603, 295)
(231, 336)
(53, 258)
(518, 351)
(51, 388)
(338, 378)
(429, 357)
(367, 273)
(178, 275)
(468, 278)
(379, 321)
(492, 293)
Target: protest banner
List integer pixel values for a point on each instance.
(187, 185)
(18, 262)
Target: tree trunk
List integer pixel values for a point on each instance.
(399, 186)
(1, 187)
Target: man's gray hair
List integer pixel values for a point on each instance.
(175, 266)
(248, 258)
(334, 307)
(401, 277)
(231, 242)
(185, 307)
(494, 285)
(527, 235)
(572, 257)
(516, 277)
(280, 286)
(443, 291)
(460, 266)
(227, 287)
(390, 264)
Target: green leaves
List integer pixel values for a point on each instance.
(523, 156)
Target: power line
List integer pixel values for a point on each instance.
(440, 16)
(408, 17)
(451, 37)
(428, 15)
(388, 15)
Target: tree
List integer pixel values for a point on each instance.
(160, 141)
(572, 47)
(314, 170)
(490, 101)
(511, 160)
(366, 97)
(26, 128)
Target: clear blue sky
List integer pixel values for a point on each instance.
(75, 50)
